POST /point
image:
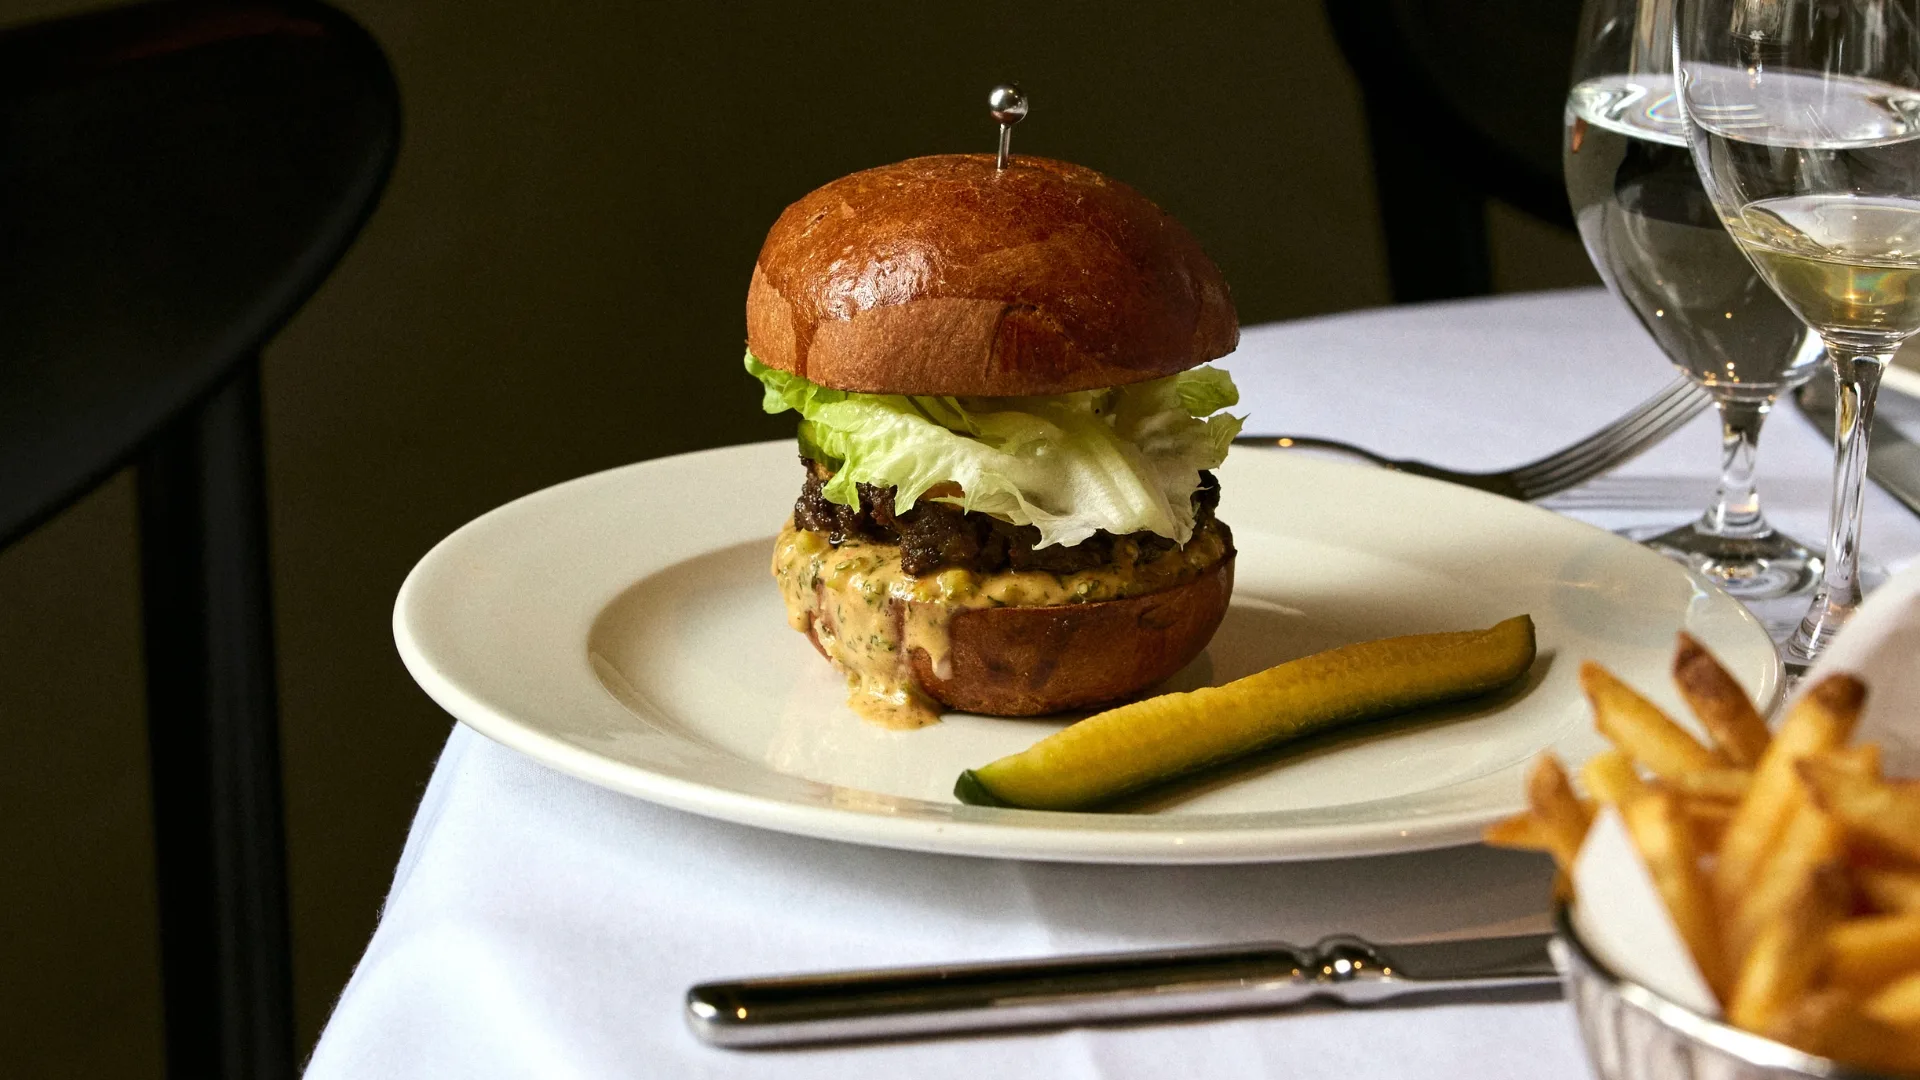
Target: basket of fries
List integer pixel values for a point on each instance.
(1743, 904)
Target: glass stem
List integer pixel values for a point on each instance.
(1856, 381)
(1735, 512)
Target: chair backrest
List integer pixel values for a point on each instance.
(1464, 102)
(175, 180)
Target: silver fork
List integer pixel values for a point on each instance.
(1621, 441)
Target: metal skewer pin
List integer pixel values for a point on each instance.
(1009, 107)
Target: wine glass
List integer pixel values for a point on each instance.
(1804, 120)
(1657, 242)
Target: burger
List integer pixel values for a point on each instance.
(1006, 432)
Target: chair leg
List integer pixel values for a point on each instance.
(214, 742)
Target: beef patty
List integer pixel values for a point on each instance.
(937, 535)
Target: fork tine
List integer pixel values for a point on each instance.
(1605, 454)
(1681, 390)
(1649, 422)
(1660, 416)
(1655, 411)
(1658, 426)
(1607, 446)
(1600, 450)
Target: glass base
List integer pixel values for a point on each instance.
(1795, 662)
(1771, 566)
(1810, 636)
(1773, 576)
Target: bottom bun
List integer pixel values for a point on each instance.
(1024, 661)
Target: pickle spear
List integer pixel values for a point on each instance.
(1121, 750)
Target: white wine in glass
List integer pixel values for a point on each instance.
(1847, 264)
(1804, 117)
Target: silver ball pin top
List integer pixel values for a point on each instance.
(1009, 107)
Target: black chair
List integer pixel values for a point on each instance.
(175, 180)
(1464, 103)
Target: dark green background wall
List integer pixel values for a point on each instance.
(554, 285)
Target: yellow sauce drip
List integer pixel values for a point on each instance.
(869, 615)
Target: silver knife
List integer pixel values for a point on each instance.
(918, 1002)
(1893, 461)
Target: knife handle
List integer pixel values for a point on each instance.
(919, 1002)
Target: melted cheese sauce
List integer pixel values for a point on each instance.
(869, 615)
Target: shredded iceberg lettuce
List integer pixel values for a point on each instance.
(1124, 459)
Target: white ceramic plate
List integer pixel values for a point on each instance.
(624, 627)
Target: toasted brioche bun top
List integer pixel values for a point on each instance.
(941, 275)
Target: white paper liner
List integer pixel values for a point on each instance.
(1623, 919)
(1882, 646)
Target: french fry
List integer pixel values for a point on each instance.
(1638, 727)
(1811, 839)
(1521, 831)
(1830, 1023)
(1868, 952)
(1897, 1004)
(1562, 887)
(1610, 777)
(1725, 784)
(1666, 845)
(1885, 814)
(1812, 1023)
(1719, 703)
(1865, 1042)
(1822, 719)
(1562, 817)
(1709, 818)
(1891, 890)
(1789, 953)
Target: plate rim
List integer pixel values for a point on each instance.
(986, 832)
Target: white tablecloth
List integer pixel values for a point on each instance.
(541, 927)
